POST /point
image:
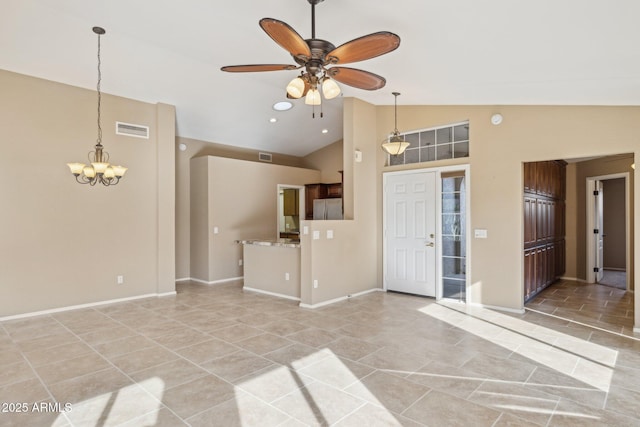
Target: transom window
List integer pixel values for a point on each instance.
(428, 145)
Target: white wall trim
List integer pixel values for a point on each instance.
(273, 294)
(346, 297)
(216, 282)
(499, 308)
(88, 305)
(184, 279)
(573, 279)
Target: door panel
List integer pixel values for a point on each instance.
(410, 227)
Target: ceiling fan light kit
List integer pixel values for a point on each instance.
(318, 59)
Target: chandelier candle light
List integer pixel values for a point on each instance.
(396, 144)
(99, 170)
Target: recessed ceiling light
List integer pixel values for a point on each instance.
(325, 130)
(273, 120)
(282, 106)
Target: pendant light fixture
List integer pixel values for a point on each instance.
(396, 144)
(99, 170)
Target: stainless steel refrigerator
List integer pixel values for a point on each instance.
(327, 209)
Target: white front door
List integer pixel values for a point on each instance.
(410, 233)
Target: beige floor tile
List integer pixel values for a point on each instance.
(35, 417)
(122, 346)
(171, 374)
(160, 418)
(395, 361)
(241, 411)
(72, 368)
(89, 386)
(197, 396)
(508, 420)
(314, 337)
(441, 376)
(257, 319)
(25, 391)
(375, 416)
(567, 387)
(504, 369)
(236, 365)
(297, 356)
(283, 327)
(518, 400)
(111, 334)
(352, 348)
(15, 372)
(571, 414)
(113, 409)
(626, 377)
(47, 341)
(262, 344)
(337, 372)
(57, 354)
(181, 338)
(143, 359)
(9, 357)
(392, 392)
(318, 404)
(207, 350)
(272, 383)
(237, 332)
(623, 401)
(440, 409)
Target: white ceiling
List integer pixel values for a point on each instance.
(494, 52)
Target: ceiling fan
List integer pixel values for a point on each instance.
(317, 59)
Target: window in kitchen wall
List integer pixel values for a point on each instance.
(427, 145)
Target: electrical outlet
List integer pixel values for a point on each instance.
(286, 276)
(315, 284)
(240, 262)
(120, 280)
(215, 230)
(329, 234)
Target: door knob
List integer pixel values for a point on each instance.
(430, 244)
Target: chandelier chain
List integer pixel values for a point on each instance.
(99, 141)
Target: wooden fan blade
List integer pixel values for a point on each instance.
(357, 78)
(365, 47)
(258, 67)
(286, 37)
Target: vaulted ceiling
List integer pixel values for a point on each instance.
(494, 52)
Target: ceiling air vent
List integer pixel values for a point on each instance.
(128, 129)
(264, 157)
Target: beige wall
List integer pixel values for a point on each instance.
(614, 224)
(266, 269)
(528, 133)
(62, 243)
(328, 160)
(196, 148)
(240, 199)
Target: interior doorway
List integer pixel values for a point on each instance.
(608, 230)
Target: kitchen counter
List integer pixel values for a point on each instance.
(285, 243)
(272, 266)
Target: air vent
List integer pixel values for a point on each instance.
(128, 129)
(264, 157)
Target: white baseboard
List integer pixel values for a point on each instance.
(215, 282)
(573, 279)
(184, 279)
(636, 329)
(335, 300)
(273, 294)
(499, 308)
(88, 305)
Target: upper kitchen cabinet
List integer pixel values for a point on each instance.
(291, 202)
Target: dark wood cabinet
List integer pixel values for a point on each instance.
(544, 224)
(320, 191)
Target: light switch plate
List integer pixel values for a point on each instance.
(305, 229)
(480, 233)
(215, 230)
(316, 235)
(329, 234)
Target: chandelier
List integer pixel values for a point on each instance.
(396, 144)
(99, 169)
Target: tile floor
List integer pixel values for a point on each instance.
(216, 356)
